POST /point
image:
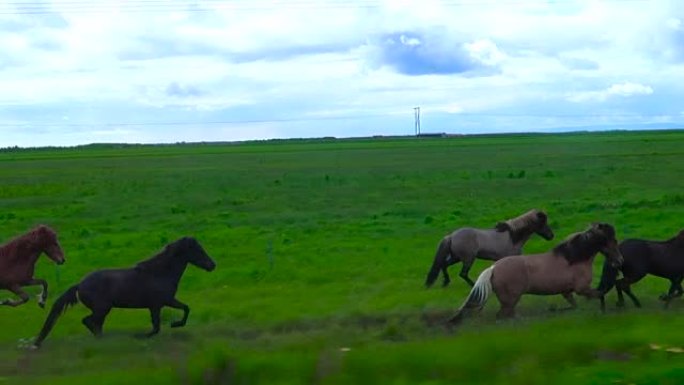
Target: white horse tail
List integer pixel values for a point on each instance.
(478, 296)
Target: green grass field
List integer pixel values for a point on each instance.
(322, 249)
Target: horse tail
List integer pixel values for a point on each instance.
(440, 261)
(61, 304)
(608, 278)
(478, 296)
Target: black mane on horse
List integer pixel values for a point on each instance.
(584, 245)
(161, 260)
(577, 249)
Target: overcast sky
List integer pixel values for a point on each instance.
(83, 71)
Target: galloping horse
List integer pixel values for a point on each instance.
(564, 270)
(661, 258)
(150, 284)
(466, 244)
(17, 262)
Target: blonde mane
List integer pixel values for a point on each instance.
(523, 220)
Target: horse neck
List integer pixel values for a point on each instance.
(589, 254)
(675, 244)
(589, 261)
(176, 270)
(520, 237)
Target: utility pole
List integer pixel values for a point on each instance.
(416, 115)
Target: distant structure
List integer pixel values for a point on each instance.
(416, 115)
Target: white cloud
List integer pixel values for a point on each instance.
(250, 61)
(485, 51)
(629, 89)
(626, 89)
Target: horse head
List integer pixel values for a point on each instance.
(541, 227)
(46, 239)
(195, 254)
(604, 235)
(533, 221)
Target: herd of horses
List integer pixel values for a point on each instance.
(150, 284)
(565, 269)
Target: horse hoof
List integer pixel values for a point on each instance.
(664, 297)
(177, 324)
(42, 305)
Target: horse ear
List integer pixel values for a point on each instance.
(43, 230)
(542, 217)
(502, 226)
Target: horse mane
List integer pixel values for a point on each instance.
(166, 257)
(36, 235)
(520, 222)
(159, 261)
(11, 250)
(577, 247)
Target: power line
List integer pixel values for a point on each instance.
(160, 6)
(329, 118)
(197, 123)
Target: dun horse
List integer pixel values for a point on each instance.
(466, 244)
(18, 259)
(151, 284)
(661, 258)
(564, 270)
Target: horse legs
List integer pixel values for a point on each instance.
(95, 320)
(446, 280)
(571, 300)
(23, 297)
(624, 285)
(505, 312)
(155, 313)
(43, 294)
(465, 269)
(507, 300)
(674, 292)
(176, 304)
(679, 289)
(618, 289)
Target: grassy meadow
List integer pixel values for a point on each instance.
(322, 248)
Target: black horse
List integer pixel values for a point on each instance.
(150, 284)
(661, 258)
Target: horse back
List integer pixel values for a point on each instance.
(659, 258)
(464, 238)
(494, 245)
(125, 288)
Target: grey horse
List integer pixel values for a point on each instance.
(467, 243)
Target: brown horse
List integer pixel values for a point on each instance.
(466, 244)
(564, 270)
(17, 262)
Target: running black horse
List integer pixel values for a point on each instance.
(661, 258)
(150, 284)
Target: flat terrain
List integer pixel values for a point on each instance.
(322, 250)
